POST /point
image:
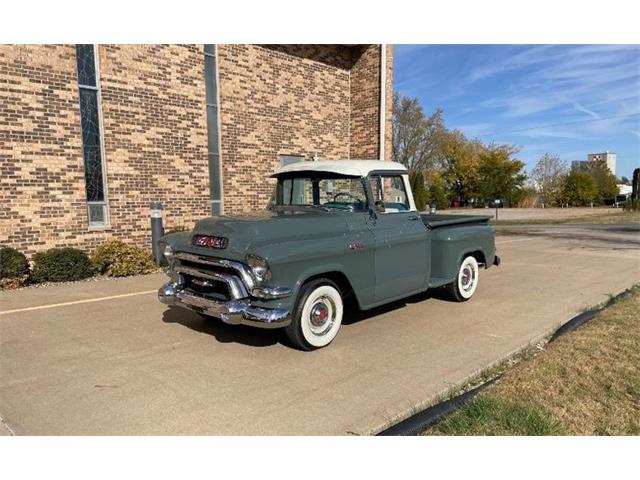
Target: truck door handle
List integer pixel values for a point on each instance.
(414, 218)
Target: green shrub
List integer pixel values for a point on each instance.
(420, 197)
(579, 189)
(437, 192)
(119, 259)
(61, 265)
(12, 263)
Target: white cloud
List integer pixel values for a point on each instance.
(555, 98)
(582, 109)
(554, 132)
(596, 80)
(511, 61)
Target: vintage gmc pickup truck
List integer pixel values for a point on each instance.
(333, 230)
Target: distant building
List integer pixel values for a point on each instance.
(624, 194)
(583, 165)
(624, 189)
(608, 157)
(579, 165)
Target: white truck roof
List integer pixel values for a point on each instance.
(358, 168)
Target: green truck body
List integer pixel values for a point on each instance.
(372, 246)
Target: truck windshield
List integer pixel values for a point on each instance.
(324, 190)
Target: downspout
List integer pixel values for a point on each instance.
(212, 82)
(219, 127)
(383, 98)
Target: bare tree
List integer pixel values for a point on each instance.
(415, 136)
(548, 175)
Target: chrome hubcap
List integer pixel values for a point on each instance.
(319, 314)
(322, 316)
(468, 277)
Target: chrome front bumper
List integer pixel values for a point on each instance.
(234, 312)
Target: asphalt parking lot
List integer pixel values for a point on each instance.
(105, 357)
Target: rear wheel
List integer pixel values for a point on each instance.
(466, 283)
(317, 316)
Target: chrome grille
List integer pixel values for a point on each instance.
(213, 271)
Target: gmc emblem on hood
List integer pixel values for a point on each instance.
(210, 241)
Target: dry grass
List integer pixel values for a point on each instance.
(585, 383)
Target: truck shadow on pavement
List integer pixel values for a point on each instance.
(353, 315)
(257, 337)
(224, 333)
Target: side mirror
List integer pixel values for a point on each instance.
(379, 206)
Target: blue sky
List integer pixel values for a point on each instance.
(564, 99)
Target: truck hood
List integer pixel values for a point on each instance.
(247, 233)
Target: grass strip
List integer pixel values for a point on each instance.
(585, 383)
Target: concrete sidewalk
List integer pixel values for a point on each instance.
(129, 365)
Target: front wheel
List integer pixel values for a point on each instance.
(463, 288)
(317, 316)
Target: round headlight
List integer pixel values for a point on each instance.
(167, 250)
(259, 267)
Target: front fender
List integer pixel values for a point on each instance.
(317, 271)
(309, 259)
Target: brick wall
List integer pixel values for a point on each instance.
(278, 100)
(41, 168)
(155, 143)
(365, 102)
(155, 135)
(293, 100)
(274, 100)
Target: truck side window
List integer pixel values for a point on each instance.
(389, 189)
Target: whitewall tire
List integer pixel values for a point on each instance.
(317, 316)
(466, 283)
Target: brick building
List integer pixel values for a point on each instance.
(90, 135)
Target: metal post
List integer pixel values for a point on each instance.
(157, 230)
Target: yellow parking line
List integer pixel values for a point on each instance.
(77, 302)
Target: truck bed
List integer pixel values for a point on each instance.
(438, 220)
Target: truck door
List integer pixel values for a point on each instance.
(400, 239)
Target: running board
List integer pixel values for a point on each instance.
(436, 282)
